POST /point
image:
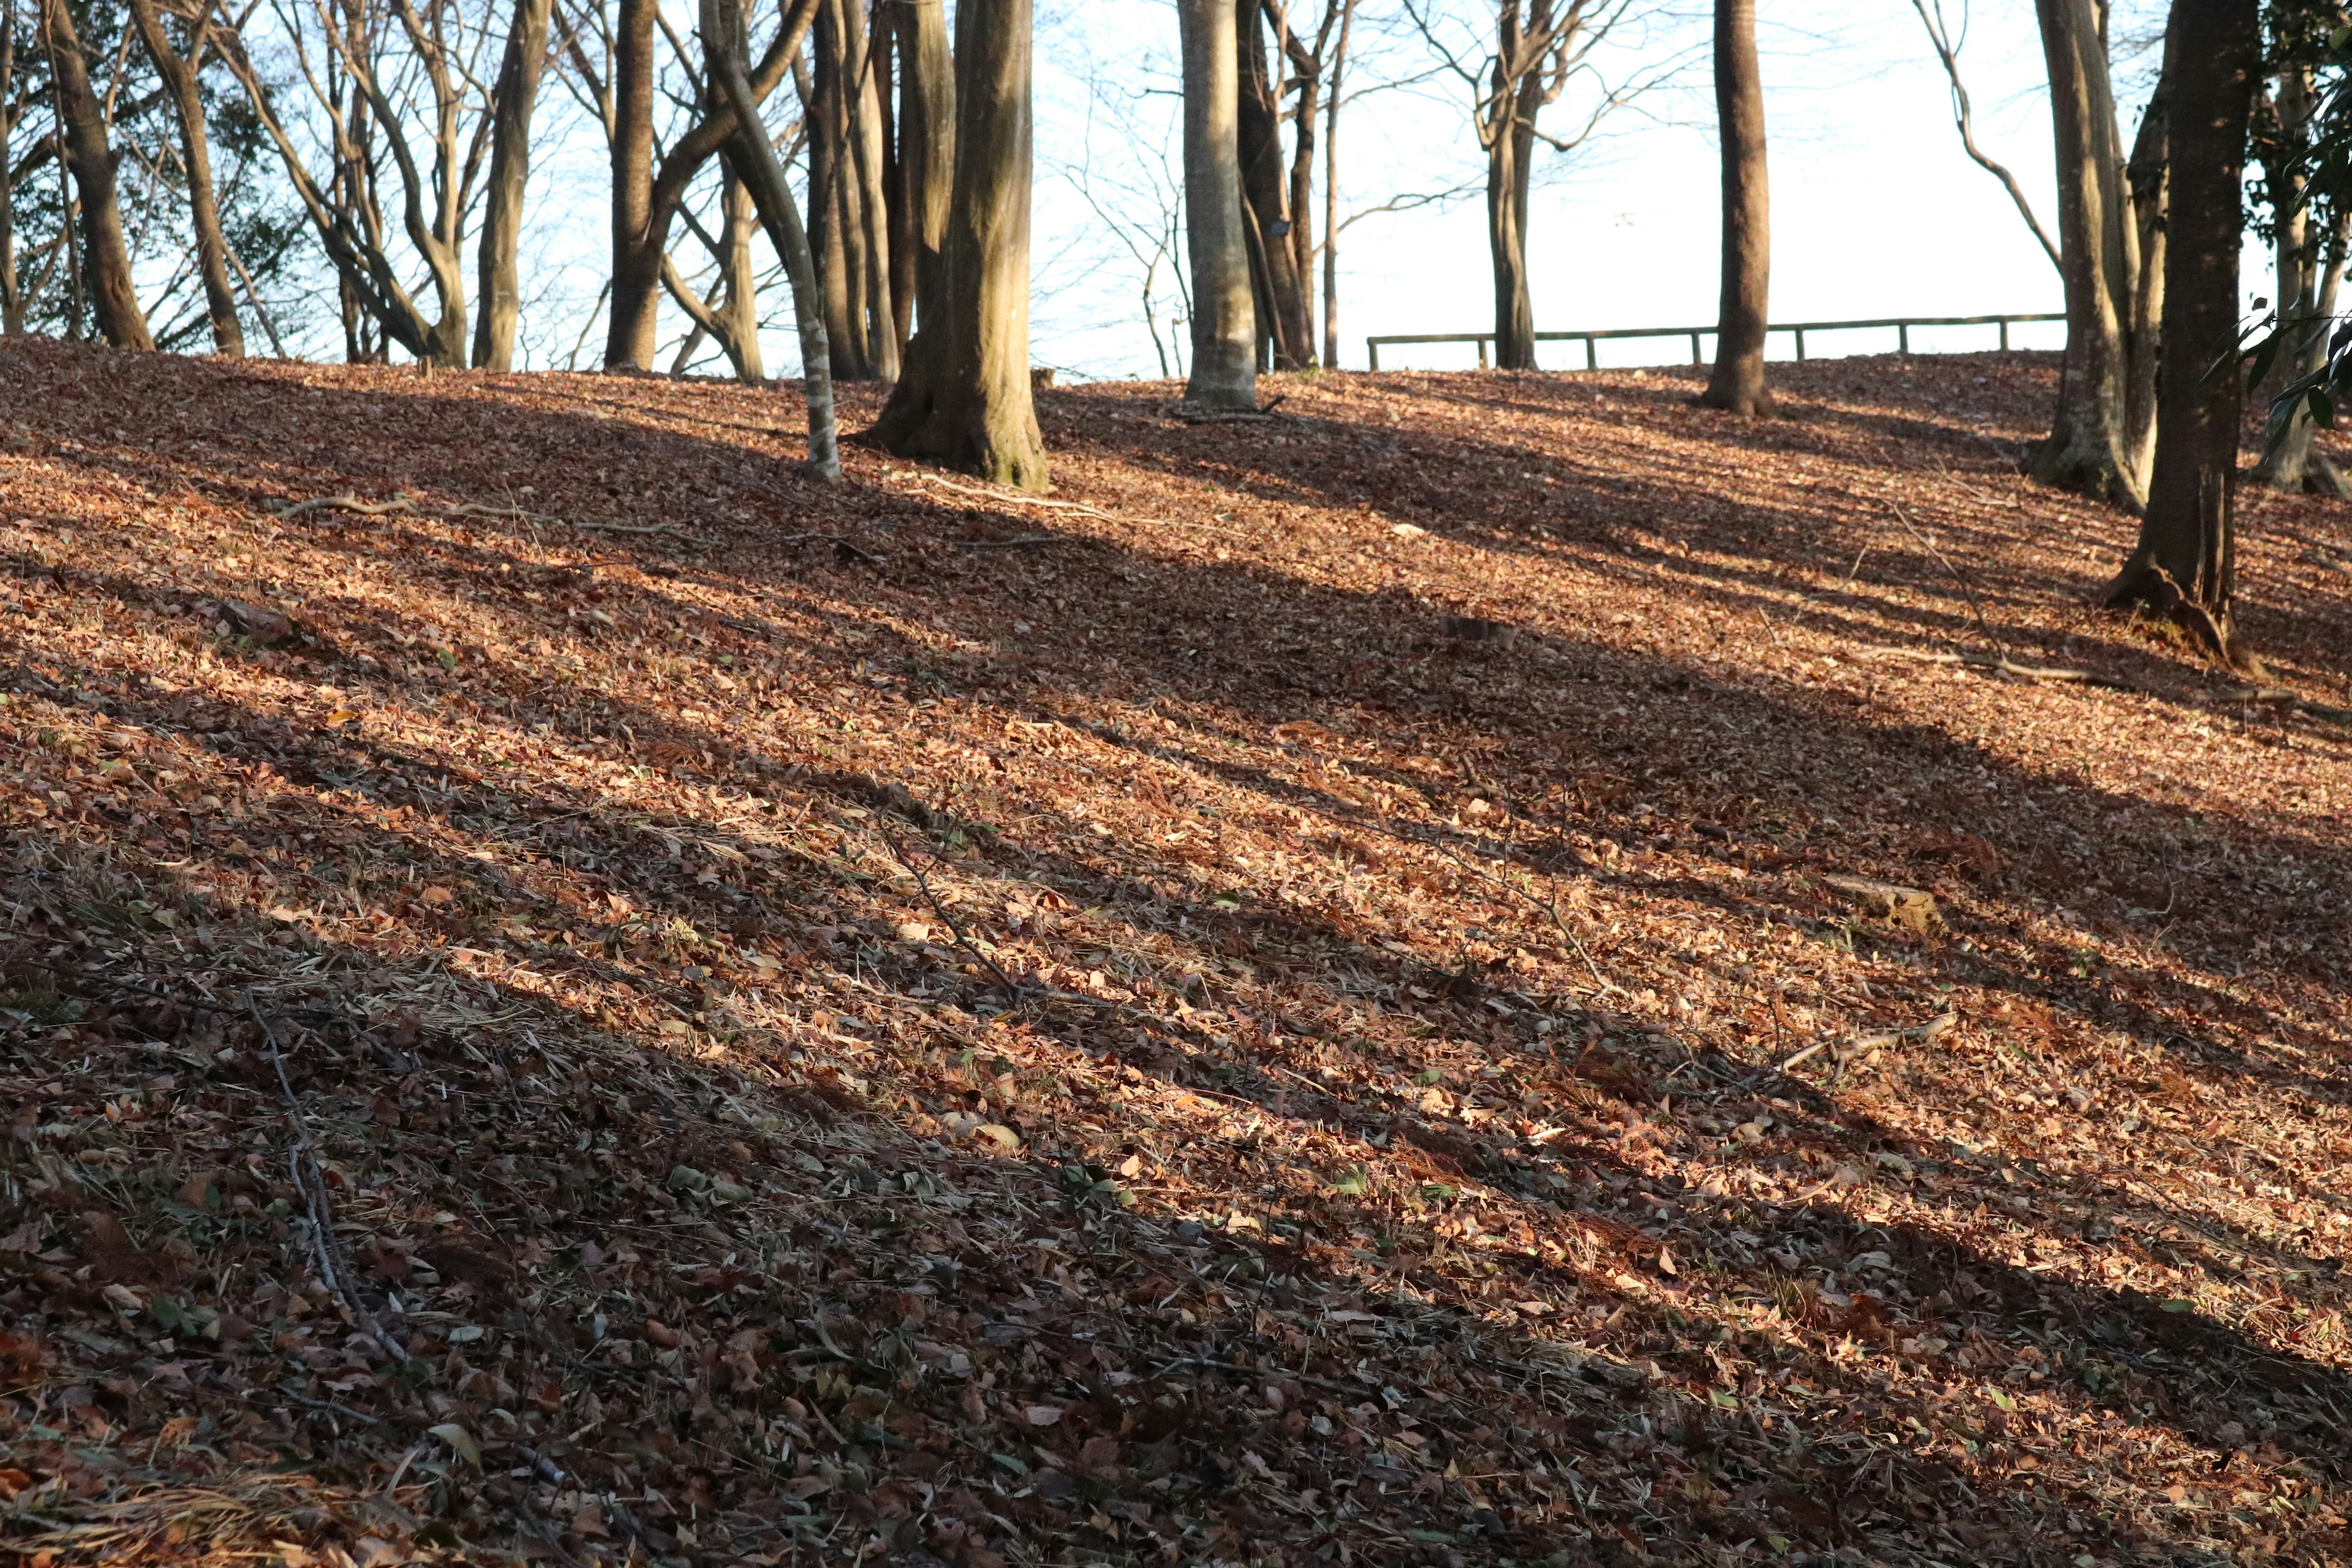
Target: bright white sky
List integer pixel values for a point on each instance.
(1876, 210)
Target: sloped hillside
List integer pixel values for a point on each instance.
(1483, 968)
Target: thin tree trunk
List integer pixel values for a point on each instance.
(1225, 317)
(2288, 464)
(179, 78)
(971, 408)
(2088, 448)
(1737, 383)
(12, 292)
(867, 158)
(2148, 181)
(515, 98)
(1331, 191)
(2185, 563)
(106, 256)
(836, 233)
(927, 120)
(638, 249)
(755, 161)
(1283, 326)
(899, 213)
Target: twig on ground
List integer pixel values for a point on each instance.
(348, 503)
(2002, 666)
(1018, 992)
(1967, 588)
(1025, 541)
(1551, 909)
(1083, 509)
(1840, 1053)
(302, 1163)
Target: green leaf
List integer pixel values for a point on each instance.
(461, 1442)
(2176, 1305)
(1998, 1397)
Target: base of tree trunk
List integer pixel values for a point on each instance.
(2144, 584)
(1740, 400)
(2310, 472)
(961, 433)
(2062, 461)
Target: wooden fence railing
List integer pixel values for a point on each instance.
(1902, 325)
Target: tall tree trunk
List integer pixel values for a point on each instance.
(11, 289)
(900, 217)
(1283, 326)
(926, 121)
(739, 306)
(2186, 560)
(755, 161)
(1510, 171)
(1331, 191)
(967, 403)
(2294, 463)
(514, 99)
(1225, 317)
(2089, 447)
(2147, 177)
(866, 165)
(1737, 383)
(106, 256)
(837, 229)
(637, 248)
(179, 78)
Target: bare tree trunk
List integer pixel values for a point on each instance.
(1737, 383)
(837, 229)
(927, 120)
(637, 251)
(755, 160)
(972, 408)
(2305, 301)
(106, 256)
(739, 306)
(515, 98)
(2089, 447)
(1510, 171)
(1225, 316)
(899, 216)
(867, 152)
(12, 290)
(1283, 325)
(2185, 563)
(2148, 181)
(179, 78)
(1331, 191)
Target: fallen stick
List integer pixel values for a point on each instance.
(1999, 664)
(1084, 508)
(348, 503)
(1918, 1032)
(302, 1162)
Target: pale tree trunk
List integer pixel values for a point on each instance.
(514, 99)
(2185, 563)
(739, 306)
(2148, 178)
(755, 160)
(971, 408)
(926, 147)
(1331, 190)
(1225, 317)
(2089, 448)
(106, 256)
(836, 226)
(1737, 383)
(179, 78)
(2294, 463)
(1282, 327)
(11, 293)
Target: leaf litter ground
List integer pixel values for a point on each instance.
(620, 1006)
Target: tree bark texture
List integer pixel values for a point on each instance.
(179, 78)
(1737, 383)
(1223, 371)
(2089, 446)
(926, 121)
(1331, 188)
(2147, 177)
(2294, 463)
(513, 100)
(755, 161)
(966, 402)
(1520, 92)
(2186, 560)
(638, 246)
(1284, 326)
(106, 256)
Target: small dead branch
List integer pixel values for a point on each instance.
(302, 1163)
(1078, 508)
(1861, 1045)
(1959, 579)
(2001, 666)
(400, 503)
(1013, 988)
(1032, 540)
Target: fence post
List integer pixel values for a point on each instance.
(1591, 359)
(1372, 352)
(1482, 353)
(1695, 359)
(1801, 345)
(2004, 335)
(1903, 337)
